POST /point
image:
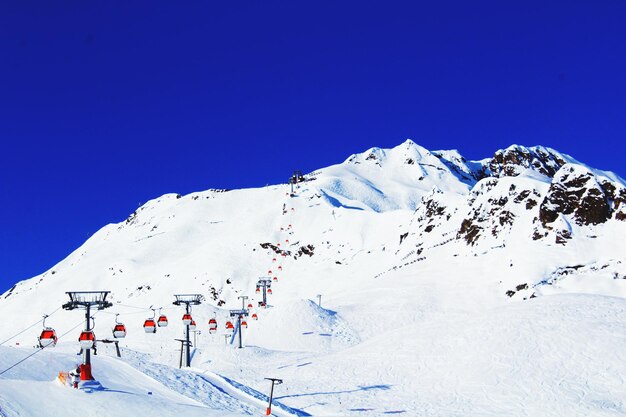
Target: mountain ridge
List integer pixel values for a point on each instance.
(391, 247)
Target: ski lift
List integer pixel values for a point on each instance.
(87, 339)
(119, 330)
(286, 240)
(229, 325)
(162, 321)
(149, 326)
(258, 290)
(187, 319)
(280, 268)
(254, 316)
(192, 325)
(213, 326)
(276, 279)
(250, 305)
(269, 272)
(269, 291)
(273, 259)
(261, 304)
(48, 336)
(244, 324)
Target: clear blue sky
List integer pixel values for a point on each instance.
(104, 105)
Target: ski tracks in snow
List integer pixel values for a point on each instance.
(211, 389)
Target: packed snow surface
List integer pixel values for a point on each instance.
(444, 292)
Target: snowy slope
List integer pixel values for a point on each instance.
(449, 287)
(32, 390)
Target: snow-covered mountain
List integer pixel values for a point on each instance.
(499, 285)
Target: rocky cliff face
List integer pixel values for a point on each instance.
(514, 160)
(575, 191)
(575, 195)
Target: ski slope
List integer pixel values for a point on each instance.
(33, 390)
(444, 292)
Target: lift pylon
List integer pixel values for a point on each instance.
(240, 314)
(265, 283)
(87, 300)
(295, 179)
(187, 300)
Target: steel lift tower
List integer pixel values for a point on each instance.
(265, 283)
(188, 300)
(87, 300)
(295, 178)
(239, 314)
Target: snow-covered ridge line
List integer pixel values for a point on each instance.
(392, 241)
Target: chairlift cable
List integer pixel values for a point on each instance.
(29, 327)
(41, 348)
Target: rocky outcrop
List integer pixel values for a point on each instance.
(616, 195)
(493, 203)
(514, 160)
(575, 191)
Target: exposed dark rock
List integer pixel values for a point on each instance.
(609, 189)
(10, 291)
(498, 202)
(305, 250)
(521, 196)
(132, 218)
(562, 236)
(575, 191)
(506, 217)
(530, 203)
(214, 293)
(275, 248)
(469, 231)
(512, 161)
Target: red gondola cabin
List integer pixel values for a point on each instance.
(149, 326)
(48, 337)
(87, 339)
